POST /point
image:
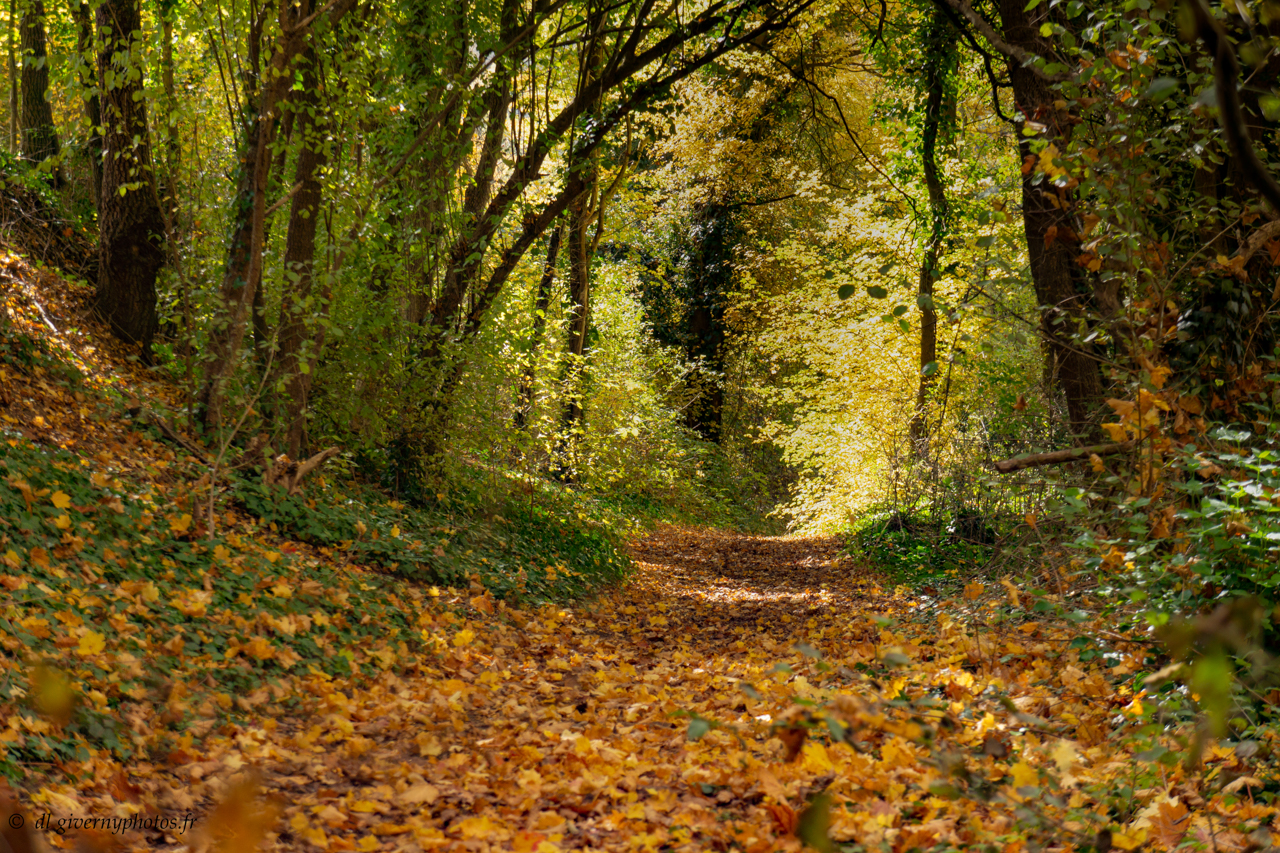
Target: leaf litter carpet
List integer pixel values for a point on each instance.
(740, 693)
(745, 693)
(569, 728)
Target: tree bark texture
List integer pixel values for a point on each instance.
(91, 105)
(13, 75)
(542, 301)
(939, 65)
(300, 336)
(39, 136)
(130, 247)
(1063, 304)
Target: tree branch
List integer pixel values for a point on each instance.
(1012, 51)
(1057, 457)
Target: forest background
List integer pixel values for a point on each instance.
(808, 264)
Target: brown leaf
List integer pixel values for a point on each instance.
(793, 737)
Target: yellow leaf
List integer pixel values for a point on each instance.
(180, 524)
(1047, 165)
(973, 591)
(483, 827)
(92, 643)
(1013, 592)
(1116, 431)
(259, 648)
(464, 637)
(816, 759)
(428, 746)
(388, 829)
(63, 522)
(896, 753)
(364, 806)
(1024, 775)
(423, 793)
(11, 559)
(221, 553)
(61, 500)
(1129, 840)
(282, 590)
(1065, 756)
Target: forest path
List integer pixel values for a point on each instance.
(568, 728)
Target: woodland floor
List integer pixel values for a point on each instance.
(561, 730)
(738, 693)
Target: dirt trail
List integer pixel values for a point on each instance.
(565, 729)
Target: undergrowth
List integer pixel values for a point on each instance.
(921, 551)
(123, 593)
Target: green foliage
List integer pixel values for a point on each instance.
(921, 550)
(532, 543)
(1214, 534)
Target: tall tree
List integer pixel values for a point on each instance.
(541, 302)
(300, 340)
(39, 136)
(92, 106)
(586, 209)
(130, 225)
(1065, 300)
(242, 272)
(937, 126)
(12, 94)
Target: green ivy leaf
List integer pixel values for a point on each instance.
(697, 728)
(1161, 88)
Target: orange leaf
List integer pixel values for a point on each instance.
(784, 816)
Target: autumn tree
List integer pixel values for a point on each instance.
(266, 84)
(39, 136)
(130, 225)
(641, 61)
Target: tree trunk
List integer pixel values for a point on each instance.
(1053, 268)
(39, 136)
(91, 105)
(300, 336)
(244, 260)
(582, 212)
(524, 398)
(130, 247)
(579, 314)
(13, 76)
(939, 65)
(463, 267)
(172, 147)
